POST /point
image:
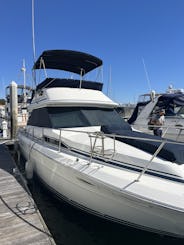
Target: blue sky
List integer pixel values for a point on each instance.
(120, 32)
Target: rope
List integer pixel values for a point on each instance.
(20, 217)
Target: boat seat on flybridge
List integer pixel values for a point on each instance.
(170, 152)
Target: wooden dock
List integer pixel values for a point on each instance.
(20, 220)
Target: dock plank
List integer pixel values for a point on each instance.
(20, 220)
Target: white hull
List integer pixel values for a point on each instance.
(74, 142)
(107, 191)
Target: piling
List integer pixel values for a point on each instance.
(13, 109)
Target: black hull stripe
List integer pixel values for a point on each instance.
(120, 165)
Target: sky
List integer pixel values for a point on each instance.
(141, 42)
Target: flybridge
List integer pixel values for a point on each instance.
(71, 61)
(70, 83)
(67, 60)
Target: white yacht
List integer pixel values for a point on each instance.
(172, 101)
(84, 152)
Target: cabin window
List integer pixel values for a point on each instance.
(40, 118)
(97, 117)
(68, 117)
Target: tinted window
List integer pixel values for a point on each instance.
(40, 117)
(68, 117)
(83, 117)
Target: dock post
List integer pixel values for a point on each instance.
(13, 108)
(5, 128)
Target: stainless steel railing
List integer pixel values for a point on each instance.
(99, 150)
(178, 130)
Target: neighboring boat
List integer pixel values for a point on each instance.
(125, 110)
(84, 152)
(23, 100)
(149, 104)
(17, 98)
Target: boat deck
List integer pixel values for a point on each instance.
(20, 220)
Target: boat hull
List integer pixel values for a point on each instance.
(77, 185)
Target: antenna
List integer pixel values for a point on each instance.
(33, 33)
(23, 69)
(109, 83)
(147, 77)
(33, 40)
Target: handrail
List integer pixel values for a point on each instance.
(92, 148)
(102, 136)
(162, 141)
(165, 127)
(168, 141)
(59, 140)
(124, 136)
(158, 126)
(150, 161)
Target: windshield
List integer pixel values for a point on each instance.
(67, 117)
(144, 98)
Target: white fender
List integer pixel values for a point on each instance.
(29, 169)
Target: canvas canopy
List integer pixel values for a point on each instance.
(67, 60)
